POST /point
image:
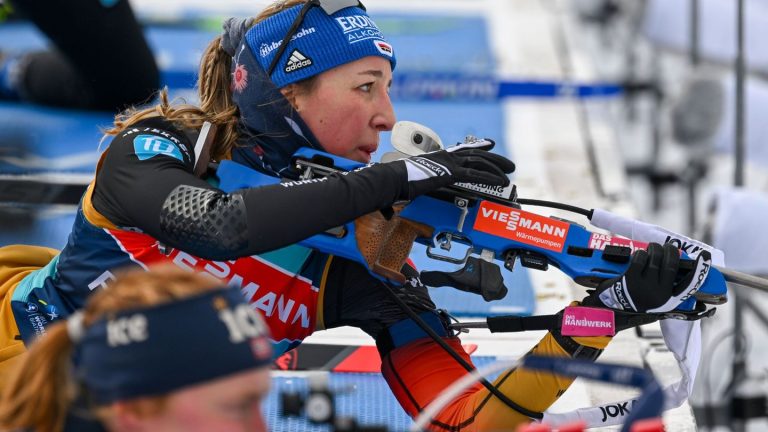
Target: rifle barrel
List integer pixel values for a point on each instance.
(744, 279)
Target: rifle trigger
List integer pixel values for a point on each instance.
(445, 242)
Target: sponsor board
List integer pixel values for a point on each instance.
(336, 358)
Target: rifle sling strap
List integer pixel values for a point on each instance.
(623, 320)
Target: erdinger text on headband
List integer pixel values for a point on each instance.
(329, 6)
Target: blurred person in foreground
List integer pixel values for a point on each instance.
(160, 350)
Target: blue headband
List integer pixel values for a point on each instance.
(154, 351)
(320, 43)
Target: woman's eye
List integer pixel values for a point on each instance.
(366, 87)
(242, 409)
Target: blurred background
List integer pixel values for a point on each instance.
(649, 108)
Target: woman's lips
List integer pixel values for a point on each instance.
(368, 150)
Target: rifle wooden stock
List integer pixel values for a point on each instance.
(386, 244)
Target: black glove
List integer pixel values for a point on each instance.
(477, 276)
(470, 163)
(651, 283)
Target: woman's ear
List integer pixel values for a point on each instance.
(289, 92)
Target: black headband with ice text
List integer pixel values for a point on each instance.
(156, 350)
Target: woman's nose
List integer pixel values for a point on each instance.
(384, 118)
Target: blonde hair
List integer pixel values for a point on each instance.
(214, 89)
(42, 389)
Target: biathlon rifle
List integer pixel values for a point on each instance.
(489, 221)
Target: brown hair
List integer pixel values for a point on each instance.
(42, 388)
(214, 90)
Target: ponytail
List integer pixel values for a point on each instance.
(41, 390)
(215, 90)
(216, 104)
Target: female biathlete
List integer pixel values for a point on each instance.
(301, 74)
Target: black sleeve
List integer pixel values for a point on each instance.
(142, 166)
(158, 194)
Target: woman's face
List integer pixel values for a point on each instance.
(231, 404)
(349, 106)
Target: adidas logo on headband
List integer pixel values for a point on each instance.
(296, 61)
